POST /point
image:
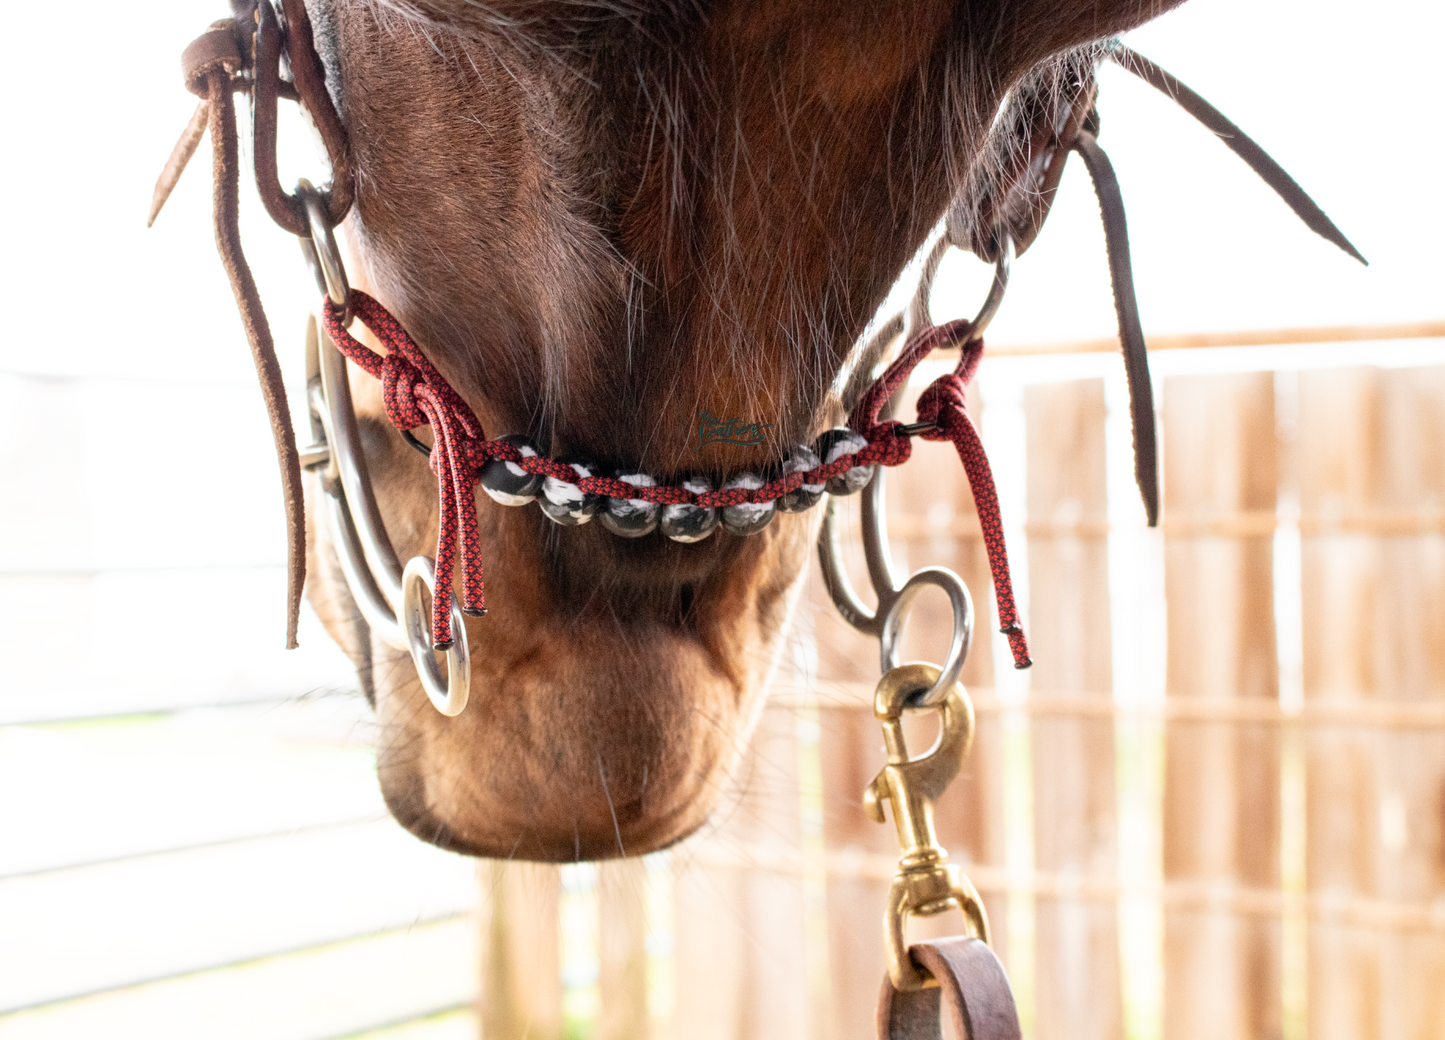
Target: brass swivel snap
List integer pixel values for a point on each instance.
(926, 883)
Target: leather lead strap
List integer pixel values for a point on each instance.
(226, 195)
(1241, 144)
(972, 990)
(1131, 332)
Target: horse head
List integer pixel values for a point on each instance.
(606, 224)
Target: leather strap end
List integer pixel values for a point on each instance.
(1131, 331)
(217, 48)
(1241, 144)
(180, 157)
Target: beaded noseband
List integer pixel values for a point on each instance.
(514, 472)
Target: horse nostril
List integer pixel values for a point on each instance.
(683, 599)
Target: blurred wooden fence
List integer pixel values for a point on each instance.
(1247, 841)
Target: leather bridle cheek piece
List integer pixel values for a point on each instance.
(996, 214)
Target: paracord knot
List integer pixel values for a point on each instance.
(941, 404)
(887, 444)
(399, 379)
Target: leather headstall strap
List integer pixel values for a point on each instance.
(1055, 114)
(970, 984)
(243, 54)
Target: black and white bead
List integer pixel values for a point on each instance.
(507, 482)
(747, 517)
(565, 502)
(631, 517)
(690, 523)
(833, 445)
(800, 459)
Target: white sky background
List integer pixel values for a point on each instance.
(1348, 104)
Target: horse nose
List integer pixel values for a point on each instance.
(603, 744)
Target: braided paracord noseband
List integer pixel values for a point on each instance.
(415, 394)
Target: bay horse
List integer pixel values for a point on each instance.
(601, 220)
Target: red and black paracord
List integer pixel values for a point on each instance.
(415, 394)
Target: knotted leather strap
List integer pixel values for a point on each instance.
(972, 990)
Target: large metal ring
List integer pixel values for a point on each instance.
(891, 632)
(321, 249)
(448, 694)
(894, 593)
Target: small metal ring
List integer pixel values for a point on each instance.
(448, 696)
(891, 632)
(321, 249)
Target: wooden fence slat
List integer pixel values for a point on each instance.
(933, 493)
(934, 488)
(622, 949)
(850, 753)
(740, 934)
(1372, 490)
(521, 985)
(1077, 985)
(1374, 441)
(1222, 781)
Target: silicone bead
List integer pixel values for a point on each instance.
(631, 517)
(690, 523)
(565, 502)
(836, 443)
(800, 459)
(748, 517)
(507, 482)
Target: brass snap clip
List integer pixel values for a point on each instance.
(926, 883)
